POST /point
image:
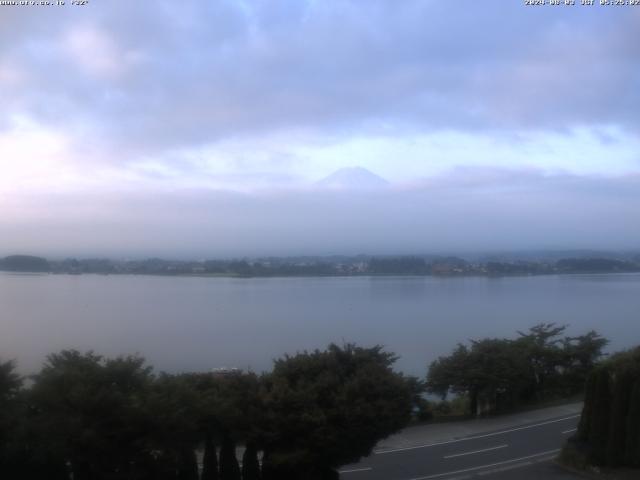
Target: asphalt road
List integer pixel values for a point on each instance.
(526, 449)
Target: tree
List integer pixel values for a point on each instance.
(447, 373)
(88, 410)
(580, 356)
(187, 464)
(600, 416)
(623, 385)
(268, 471)
(229, 468)
(609, 429)
(174, 410)
(398, 266)
(587, 410)
(10, 384)
(230, 411)
(209, 459)
(540, 346)
(329, 408)
(632, 447)
(24, 263)
(10, 381)
(491, 373)
(496, 374)
(205, 392)
(250, 464)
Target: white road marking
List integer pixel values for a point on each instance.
(354, 470)
(462, 477)
(438, 475)
(569, 431)
(504, 469)
(476, 451)
(546, 459)
(382, 452)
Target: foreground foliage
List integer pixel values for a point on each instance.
(330, 408)
(498, 374)
(89, 417)
(609, 429)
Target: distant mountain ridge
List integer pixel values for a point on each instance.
(353, 178)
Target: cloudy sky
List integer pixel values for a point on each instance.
(201, 128)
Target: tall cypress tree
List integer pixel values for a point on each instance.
(587, 409)
(250, 464)
(623, 386)
(267, 466)
(188, 465)
(229, 468)
(632, 447)
(600, 416)
(209, 460)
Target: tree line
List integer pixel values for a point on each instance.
(88, 417)
(320, 266)
(498, 374)
(609, 429)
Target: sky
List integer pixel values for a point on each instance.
(201, 129)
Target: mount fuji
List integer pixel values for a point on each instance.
(352, 178)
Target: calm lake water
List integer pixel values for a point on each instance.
(184, 323)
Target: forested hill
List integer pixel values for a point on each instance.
(24, 263)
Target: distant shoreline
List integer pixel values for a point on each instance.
(362, 275)
(336, 266)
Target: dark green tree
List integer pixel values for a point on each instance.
(580, 355)
(622, 389)
(541, 348)
(230, 411)
(24, 263)
(229, 468)
(587, 410)
(209, 459)
(188, 464)
(398, 266)
(10, 385)
(609, 429)
(329, 408)
(10, 382)
(497, 374)
(449, 374)
(207, 417)
(600, 416)
(250, 464)
(268, 470)
(632, 447)
(492, 373)
(173, 410)
(89, 410)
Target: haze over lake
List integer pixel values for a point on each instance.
(186, 323)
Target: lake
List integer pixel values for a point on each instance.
(188, 323)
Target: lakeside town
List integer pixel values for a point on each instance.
(552, 264)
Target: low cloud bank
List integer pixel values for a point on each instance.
(469, 210)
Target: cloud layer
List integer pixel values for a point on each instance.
(174, 74)
(170, 106)
(469, 210)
